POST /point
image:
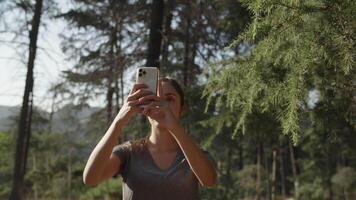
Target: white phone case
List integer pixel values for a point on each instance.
(148, 76)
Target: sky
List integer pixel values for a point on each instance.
(50, 61)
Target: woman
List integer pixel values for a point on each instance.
(165, 165)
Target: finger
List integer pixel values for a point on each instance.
(160, 90)
(136, 103)
(159, 104)
(137, 109)
(137, 86)
(133, 103)
(138, 94)
(153, 108)
(150, 107)
(146, 110)
(149, 98)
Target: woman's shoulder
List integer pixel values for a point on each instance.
(131, 145)
(122, 149)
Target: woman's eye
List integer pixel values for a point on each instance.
(170, 99)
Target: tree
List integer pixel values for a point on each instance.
(113, 44)
(295, 48)
(155, 36)
(24, 130)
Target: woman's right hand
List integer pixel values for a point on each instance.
(132, 104)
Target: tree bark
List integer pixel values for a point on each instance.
(274, 169)
(228, 171)
(268, 178)
(69, 173)
(155, 37)
(241, 153)
(52, 111)
(167, 36)
(22, 144)
(295, 171)
(186, 62)
(258, 181)
(110, 88)
(118, 61)
(282, 171)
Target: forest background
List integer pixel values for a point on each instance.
(270, 88)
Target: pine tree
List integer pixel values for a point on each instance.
(293, 46)
(113, 32)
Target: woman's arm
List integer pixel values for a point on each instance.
(100, 159)
(101, 163)
(201, 165)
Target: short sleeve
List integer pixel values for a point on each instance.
(122, 151)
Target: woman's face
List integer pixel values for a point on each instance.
(169, 93)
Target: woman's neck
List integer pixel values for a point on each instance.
(161, 140)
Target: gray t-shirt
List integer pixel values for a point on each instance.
(143, 180)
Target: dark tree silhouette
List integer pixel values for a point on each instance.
(25, 116)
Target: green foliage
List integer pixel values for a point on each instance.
(48, 164)
(6, 158)
(345, 178)
(312, 190)
(293, 44)
(247, 181)
(345, 182)
(108, 190)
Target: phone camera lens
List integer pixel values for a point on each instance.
(144, 72)
(139, 74)
(140, 70)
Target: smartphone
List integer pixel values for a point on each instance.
(149, 77)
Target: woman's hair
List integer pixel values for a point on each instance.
(176, 86)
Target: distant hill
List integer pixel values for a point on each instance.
(6, 112)
(63, 119)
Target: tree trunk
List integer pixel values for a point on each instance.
(111, 74)
(274, 167)
(330, 171)
(241, 153)
(268, 178)
(155, 37)
(52, 111)
(228, 171)
(34, 168)
(17, 192)
(69, 174)
(109, 97)
(186, 62)
(167, 36)
(118, 62)
(295, 171)
(282, 171)
(258, 178)
(116, 83)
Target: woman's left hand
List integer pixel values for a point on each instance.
(160, 111)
